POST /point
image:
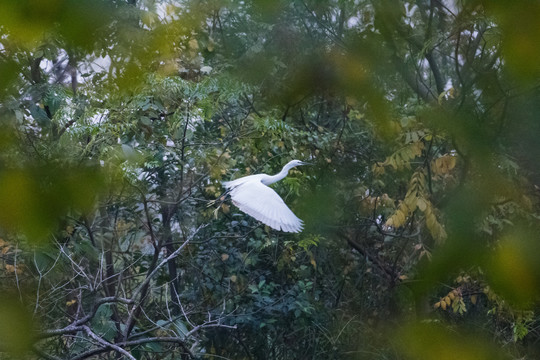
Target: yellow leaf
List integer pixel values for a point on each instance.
(451, 162)
(431, 221)
(437, 305)
(473, 299)
(401, 217)
(71, 302)
(443, 305)
(12, 269)
(412, 202)
(441, 97)
(226, 208)
(378, 168)
(194, 44)
(441, 234)
(224, 257)
(404, 208)
(233, 278)
(444, 164)
(447, 300)
(421, 204)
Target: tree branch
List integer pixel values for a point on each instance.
(77, 325)
(98, 351)
(131, 318)
(107, 344)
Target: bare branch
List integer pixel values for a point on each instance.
(107, 344)
(98, 351)
(77, 325)
(146, 282)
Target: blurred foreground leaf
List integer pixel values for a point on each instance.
(34, 199)
(429, 341)
(514, 269)
(16, 326)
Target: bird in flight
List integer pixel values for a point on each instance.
(252, 195)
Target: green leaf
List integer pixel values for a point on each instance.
(181, 328)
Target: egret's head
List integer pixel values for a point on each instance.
(294, 163)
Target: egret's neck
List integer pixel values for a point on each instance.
(274, 178)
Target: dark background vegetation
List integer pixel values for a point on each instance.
(121, 118)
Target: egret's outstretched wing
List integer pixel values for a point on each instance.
(264, 204)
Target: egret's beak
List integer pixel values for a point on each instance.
(306, 163)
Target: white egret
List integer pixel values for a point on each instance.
(252, 195)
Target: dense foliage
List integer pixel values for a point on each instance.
(121, 119)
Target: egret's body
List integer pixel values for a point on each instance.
(252, 195)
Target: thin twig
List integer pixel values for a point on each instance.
(149, 277)
(94, 352)
(107, 344)
(76, 326)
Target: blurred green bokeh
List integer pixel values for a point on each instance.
(17, 328)
(421, 209)
(35, 199)
(426, 341)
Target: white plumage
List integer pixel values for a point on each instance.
(252, 195)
